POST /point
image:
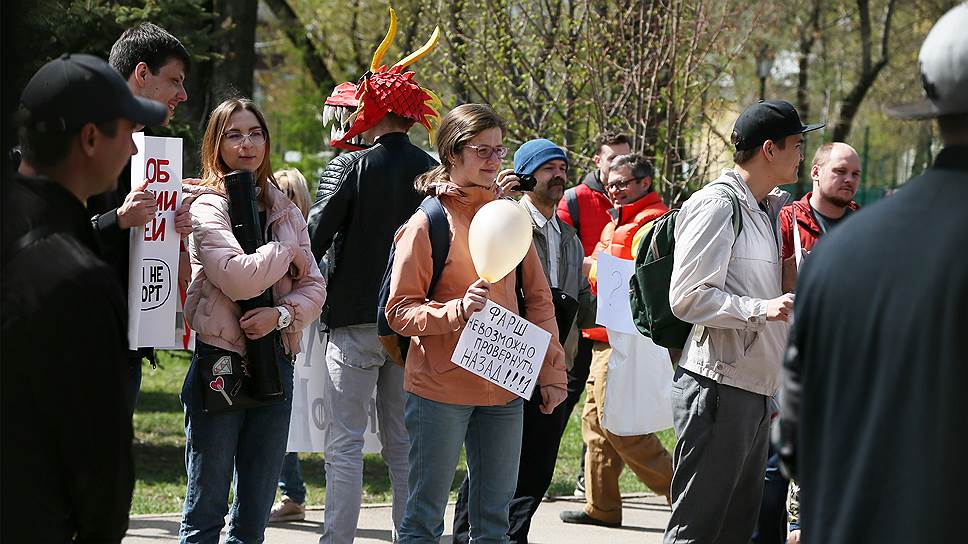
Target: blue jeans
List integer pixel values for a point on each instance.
(247, 444)
(291, 483)
(492, 437)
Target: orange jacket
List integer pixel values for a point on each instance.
(617, 239)
(436, 324)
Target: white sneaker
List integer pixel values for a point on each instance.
(287, 510)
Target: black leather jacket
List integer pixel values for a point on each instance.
(363, 197)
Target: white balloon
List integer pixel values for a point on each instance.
(499, 238)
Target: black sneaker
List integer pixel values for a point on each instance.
(580, 517)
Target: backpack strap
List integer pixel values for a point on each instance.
(571, 199)
(439, 237)
(730, 193)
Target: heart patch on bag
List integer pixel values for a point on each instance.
(218, 384)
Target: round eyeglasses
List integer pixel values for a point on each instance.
(485, 151)
(235, 137)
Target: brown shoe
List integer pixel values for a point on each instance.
(579, 516)
(287, 510)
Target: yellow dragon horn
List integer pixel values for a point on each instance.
(385, 44)
(422, 52)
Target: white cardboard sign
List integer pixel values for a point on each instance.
(307, 423)
(153, 266)
(614, 306)
(503, 348)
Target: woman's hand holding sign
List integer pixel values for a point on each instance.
(475, 298)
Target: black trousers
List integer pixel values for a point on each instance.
(539, 453)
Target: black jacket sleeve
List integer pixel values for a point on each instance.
(334, 198)
(113, 239)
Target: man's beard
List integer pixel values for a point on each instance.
(836, 200)
(547, 196)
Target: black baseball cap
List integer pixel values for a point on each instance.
(73, 90)
(768, 120)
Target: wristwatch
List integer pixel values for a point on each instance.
(285, 318)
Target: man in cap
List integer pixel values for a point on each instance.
(873, 403)
(66, 427)
(728, 286)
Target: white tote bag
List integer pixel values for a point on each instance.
(638, 388)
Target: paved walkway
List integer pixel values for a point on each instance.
(645, 521)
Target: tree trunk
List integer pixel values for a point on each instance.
(233, 75)
(457, 48)
(296, 32)
(869, 69)
(808, 38)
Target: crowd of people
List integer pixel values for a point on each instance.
(859, 428)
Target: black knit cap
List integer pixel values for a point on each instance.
(73, 90)
(768, 120)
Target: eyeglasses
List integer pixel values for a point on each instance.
(235, 137)
(485, 151)
(620, 185)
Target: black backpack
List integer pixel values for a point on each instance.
(649, 285)
(439, 248)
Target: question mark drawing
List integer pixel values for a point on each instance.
(617, 280)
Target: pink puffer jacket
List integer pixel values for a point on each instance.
(223, 274)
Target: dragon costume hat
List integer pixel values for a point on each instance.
(352, 109)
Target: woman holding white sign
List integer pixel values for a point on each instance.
(228, 432)
(447, 405)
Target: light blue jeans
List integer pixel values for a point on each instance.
(492, 438)
(356, 364)
(248, 445)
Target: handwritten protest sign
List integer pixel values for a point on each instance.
(153, 266)
(307, 423)
(614, 308)
(503, 348)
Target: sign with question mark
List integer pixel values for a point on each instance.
(614, 308)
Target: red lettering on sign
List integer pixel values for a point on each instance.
(154, 171)
(155, 230)
(166, 201)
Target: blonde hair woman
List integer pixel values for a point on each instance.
(448, 406)
(248, 443)
(292, 182)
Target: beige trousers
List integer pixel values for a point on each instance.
(608, 453)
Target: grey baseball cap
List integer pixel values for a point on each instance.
(944, 69)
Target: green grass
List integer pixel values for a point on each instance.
(159, 450)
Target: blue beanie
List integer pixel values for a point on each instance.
(533, 153)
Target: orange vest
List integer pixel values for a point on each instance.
(617, 239)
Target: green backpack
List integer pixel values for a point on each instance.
(649, 285)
